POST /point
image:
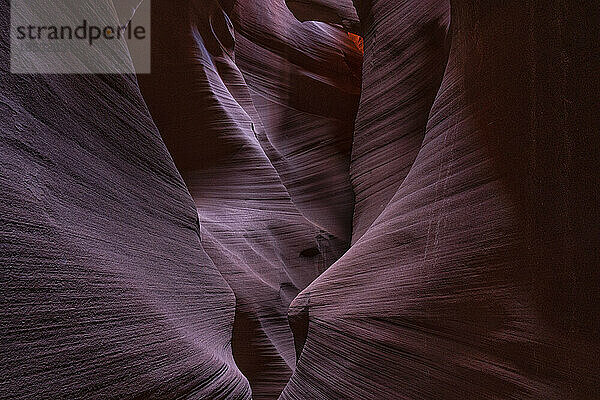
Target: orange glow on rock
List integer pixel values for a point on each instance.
(358, 41)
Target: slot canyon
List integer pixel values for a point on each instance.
(309, 200)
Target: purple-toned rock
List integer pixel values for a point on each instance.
(265, 161)
(105, 290)
(268, 215)
(478, 279)
(332, 11)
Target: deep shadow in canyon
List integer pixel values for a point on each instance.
(280, 212)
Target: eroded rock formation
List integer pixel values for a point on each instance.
(106, 289)
(475, 279)
(270, 215)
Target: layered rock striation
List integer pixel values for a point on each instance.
(273, 214)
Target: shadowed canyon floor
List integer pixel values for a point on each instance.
(309, 200)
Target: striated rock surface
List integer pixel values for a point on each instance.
(306, 100)
(265, 161)
(105, 287)
(478, 279)
(268, 215)
(334, 12)
(403, 70)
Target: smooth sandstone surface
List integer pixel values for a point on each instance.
(106, 289)
(478, 279)
(271, 214)
(268, 170)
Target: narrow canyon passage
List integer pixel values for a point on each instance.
(265, 153)
(309, 200)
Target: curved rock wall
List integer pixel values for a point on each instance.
(106, 290)
(268, 170)
(269, 215)
(475, 281)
